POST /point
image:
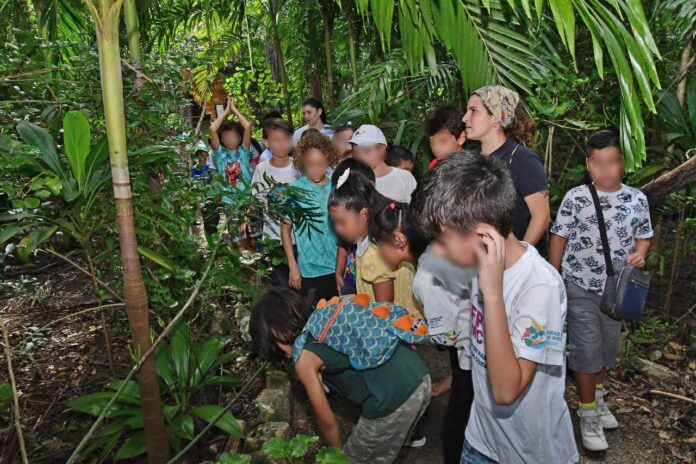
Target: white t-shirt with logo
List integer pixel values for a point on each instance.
(537, 427)
(397, 185)
(285, 175)
(626, 217)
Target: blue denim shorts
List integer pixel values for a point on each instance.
(471, 456)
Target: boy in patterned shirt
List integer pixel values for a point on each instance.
(576, 251)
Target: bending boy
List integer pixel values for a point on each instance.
(392, 396)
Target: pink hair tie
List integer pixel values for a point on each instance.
(392, 205)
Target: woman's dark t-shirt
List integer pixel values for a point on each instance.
(529, 176)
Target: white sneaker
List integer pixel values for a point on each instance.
(591, 430)
(607, 419)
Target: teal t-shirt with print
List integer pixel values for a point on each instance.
(316, 247)
(234, 166)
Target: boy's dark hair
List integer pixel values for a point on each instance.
(462, 191)
(397, 217)
(343, 128)
(279, 315)
(397, 153)
(355, 167)
(603, 138)
(358, 193)
(274, 114)
(276, 124)
(447, 117)
(227, 126)
(316, 103)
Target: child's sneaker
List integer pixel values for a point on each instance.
(607, 419)
(416, 442)
(591, 430)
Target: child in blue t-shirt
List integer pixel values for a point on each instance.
(200, 169)
(315, 266)
(231, 143)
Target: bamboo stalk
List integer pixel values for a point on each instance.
(15, 400)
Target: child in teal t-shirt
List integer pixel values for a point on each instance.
(231, 142)
(315, 265)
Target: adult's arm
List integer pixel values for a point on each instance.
(540, 210)
(557, 245)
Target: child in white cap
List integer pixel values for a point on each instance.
(370, 147)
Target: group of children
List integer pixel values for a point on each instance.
(457, 252)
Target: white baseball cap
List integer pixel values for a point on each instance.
(367, 134)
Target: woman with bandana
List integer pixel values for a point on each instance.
(493, 119)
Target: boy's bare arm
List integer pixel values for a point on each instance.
(246, 124)
(637, 258)
(557, 245)
(286, 239)
(214, 140)
(308, 371)
(540, 210)
(509, 376)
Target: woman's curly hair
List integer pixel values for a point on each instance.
(310, 139)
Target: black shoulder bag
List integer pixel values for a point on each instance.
(624, 294)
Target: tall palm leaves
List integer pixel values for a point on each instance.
(486, 39)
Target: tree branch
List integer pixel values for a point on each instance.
(671, 181)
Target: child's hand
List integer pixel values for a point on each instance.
(295, 279)
(340, 282)
(230, 105)
(635, 259)
(244, 228)
(491, 257)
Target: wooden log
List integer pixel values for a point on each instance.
(671, 181)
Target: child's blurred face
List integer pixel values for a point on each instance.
(478, 121)
(443, 143)
(279, 142)
(458, 247)
(606, 167)
(394, 250)
(312, 115)
(314, 165)
(372, 155)
(407, 165)
(350, 225)
(341, 144)
(231, 139)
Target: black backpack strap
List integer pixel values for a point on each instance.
(602, 229)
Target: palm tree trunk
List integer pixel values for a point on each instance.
(352, 40)
(326, 15)
(106, 17)
(130, 16)
(273, 13)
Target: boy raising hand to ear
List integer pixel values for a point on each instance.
(519, 413)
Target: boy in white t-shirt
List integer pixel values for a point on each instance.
(518, 313)
(277, 136)
(370, 147)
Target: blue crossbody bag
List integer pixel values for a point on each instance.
(625, 292)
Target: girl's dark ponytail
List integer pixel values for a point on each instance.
(396, 217)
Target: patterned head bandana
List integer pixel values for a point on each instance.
(500, 101)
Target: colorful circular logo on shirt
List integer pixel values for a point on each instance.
(534, 336)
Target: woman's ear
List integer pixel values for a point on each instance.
(365, 213)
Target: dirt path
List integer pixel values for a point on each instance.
(631, 443)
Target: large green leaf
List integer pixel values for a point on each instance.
(39, 137)
(226, 423)
(134, 446)
(76, 142)
(182, 426)
(207, 356)
(180, 352)
(35, 238)
(156, 257)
